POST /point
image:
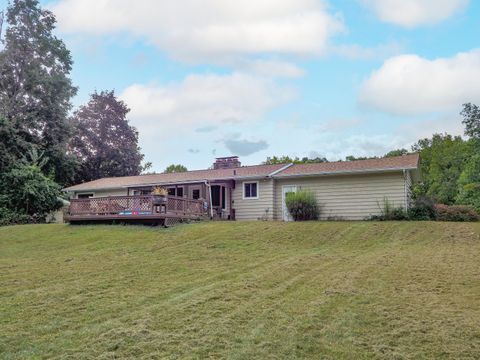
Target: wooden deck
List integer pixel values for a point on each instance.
(135, 209)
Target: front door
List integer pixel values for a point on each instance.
(285, 190)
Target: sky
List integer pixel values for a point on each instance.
(257, 78)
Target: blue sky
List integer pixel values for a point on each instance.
(276, 77)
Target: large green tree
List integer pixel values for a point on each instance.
(105, 143)
(469, 183)
(471, 120)
(443, 159)
(35, 88)
(25, 190)
(12, 145)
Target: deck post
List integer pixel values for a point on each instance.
(230, 202)
(209, 198)
(221, 187)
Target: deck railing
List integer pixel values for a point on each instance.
(136, 205)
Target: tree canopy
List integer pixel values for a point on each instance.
(469, 183)
(35, 87)
(175, 168)
(26, 190)
(104, 142)
(392, 153)
(471, 120)
(443, 158)
(296, 160)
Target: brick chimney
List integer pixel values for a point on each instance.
(230, 162)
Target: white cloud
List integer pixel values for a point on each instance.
(410, 84)
(210, 29)
(313, 154)
(243, 147)
(201, 101)
(411, 13)
(357, 52)
(360, 145)
(338, 125)
(270, 68)
(449, 122)
(183, 118)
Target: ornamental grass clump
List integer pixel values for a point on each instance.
(159, 191)
(302, 206)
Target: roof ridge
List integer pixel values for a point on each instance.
(191, 171)
(359, 160)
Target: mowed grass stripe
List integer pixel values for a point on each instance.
(241, 291)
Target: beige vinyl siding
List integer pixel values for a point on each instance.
(254, 209)
(349, 197)
(408, 188)
(104, 193)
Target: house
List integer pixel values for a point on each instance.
(352, 190)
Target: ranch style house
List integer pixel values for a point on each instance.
(345, 190)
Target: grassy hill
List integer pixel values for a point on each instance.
(241, 291)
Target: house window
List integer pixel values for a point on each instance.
(142, 192)
(84, 196)
(196, 194)
(175, 191)
(250, 190)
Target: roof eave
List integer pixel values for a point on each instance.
(198, 181)
(70, 189)
(168, 183)
(331, 173)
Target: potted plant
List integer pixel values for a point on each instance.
(159, 195)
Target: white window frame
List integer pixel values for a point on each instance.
(86, 193)
(251, 197)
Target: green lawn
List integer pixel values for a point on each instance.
(259, 290)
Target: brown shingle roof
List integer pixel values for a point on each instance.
(384, 164)
(189, 176)
(258, 171)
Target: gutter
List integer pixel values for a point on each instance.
(167, 183)
(330, 173)
(192, 181)
(275, 174)
(67, 190)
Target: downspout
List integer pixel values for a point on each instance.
(405, 191)
(210, 197)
